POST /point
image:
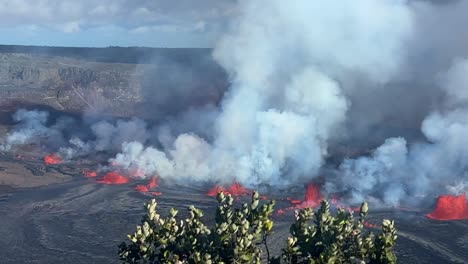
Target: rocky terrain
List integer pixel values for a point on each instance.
(120, 81)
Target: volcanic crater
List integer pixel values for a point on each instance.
(63, 214)
(56, 210)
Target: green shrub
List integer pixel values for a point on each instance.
(320, 238)
(234, 239)
(240, 236)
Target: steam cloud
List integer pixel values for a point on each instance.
(290, 66)
(400, 171)
(33, 125)
(305, 75)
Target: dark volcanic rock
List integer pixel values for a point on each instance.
(83, 222)
(36, 170)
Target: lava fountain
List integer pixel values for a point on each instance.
(312, 197)
(450, 207)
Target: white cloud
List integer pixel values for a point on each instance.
(121, 13)
(70, 27)
(170, 28)
(141, 30)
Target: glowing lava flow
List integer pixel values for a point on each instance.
(52, 159)
(152, 183)
(89, 173)
(113, 178)
(449, 207)
(234, 189)
(237, 190)
(215, 190)
(369, 225)
(141, 188)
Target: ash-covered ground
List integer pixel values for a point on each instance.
(53, 214)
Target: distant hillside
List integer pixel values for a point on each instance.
(114, 54)
(124, 81)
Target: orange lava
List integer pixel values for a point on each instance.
(141, 188)
(312, 197)
(237, 190)
(89, 173)
(113, 178)
(450, 207)
(295, 201)
(234, 189)
(215, 190)
(334, 200)
(369, 225)
(152, 183)
(52, 159)
(280, 211)
(313, 193)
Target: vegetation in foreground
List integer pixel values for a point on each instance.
(240, 235)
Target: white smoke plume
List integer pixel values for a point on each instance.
(35, 126)
(396, 172)
(107, 136)
(290, 65)
(32, 126)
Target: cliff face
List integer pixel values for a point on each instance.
(67, 84)
(75, 85)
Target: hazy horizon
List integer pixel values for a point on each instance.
(172, 24)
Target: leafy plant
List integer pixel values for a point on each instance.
(319, 238)
(236, 237)
(240, 236)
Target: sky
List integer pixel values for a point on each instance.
(101, 23)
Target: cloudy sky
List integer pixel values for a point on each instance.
(158, 23)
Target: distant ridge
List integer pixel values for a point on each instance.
(114, 54)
